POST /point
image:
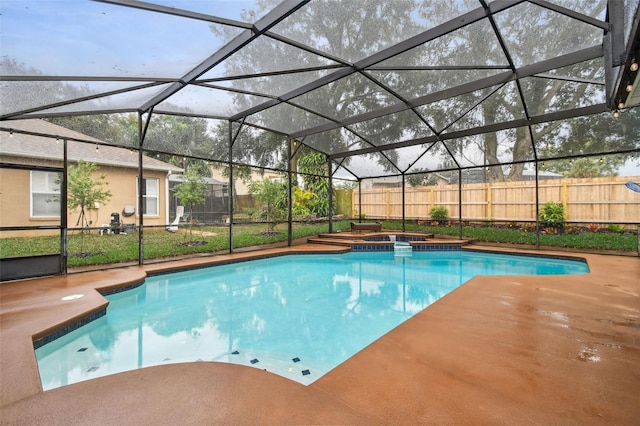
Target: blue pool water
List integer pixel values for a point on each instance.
(298, 316)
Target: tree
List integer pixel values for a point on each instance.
(587, 167)
(84, 191)
(106, 127)
(347, 34)
(586, 136)
(272, 195)
(253, 149)
(191, 191)
(181, 141)
(358, 29)
(424, 178)
(312, 166)
(26, 95)
(185, 140)
(118, 129)
(300, 201)
(352, 30)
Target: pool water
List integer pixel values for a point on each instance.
(298, 316)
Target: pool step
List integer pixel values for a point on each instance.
(374, 235)
(383, 242)
(333, 241)
(402, 249)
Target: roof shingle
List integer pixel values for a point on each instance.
(42, 147)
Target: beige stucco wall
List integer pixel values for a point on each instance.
(15, 201)
(242, 188)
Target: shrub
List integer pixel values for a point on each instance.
(572, 229)
(439, 214)
(619, 229)
(191, 192)
(272, 196)
(552, 215)
(592, 227)
(301, 200)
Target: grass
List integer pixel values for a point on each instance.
(590, 240)
(94, 249)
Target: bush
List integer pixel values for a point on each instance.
(439, 214)
(597, 241)
(552, 215)
(572, 229)
(619, 229)
(250, 212)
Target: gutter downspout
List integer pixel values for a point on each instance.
(167, 199)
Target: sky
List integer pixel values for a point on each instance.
(38, 33)
(60, 37)
(631, 167)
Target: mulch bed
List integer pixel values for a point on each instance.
(192, 243)
(87, 254)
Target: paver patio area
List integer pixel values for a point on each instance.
(497, 350)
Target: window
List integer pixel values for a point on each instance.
(150, 193)
(45, 194)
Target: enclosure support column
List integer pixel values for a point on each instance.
(63, 210)
(359, 200)
(614, 50)
(289, 191)
(231, 189)
(403, 201)
(330, 194)
(537, 210)
(140, 194)
(460, 203)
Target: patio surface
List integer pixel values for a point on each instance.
(497, 350)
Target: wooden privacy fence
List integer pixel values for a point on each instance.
(597, 200)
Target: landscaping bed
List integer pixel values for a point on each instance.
(95, 249)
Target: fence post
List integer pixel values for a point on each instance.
(575, 195)
(489, 206)
(431, 199)
(565, 198)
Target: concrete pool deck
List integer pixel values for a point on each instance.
(497, 350)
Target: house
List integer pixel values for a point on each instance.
(241, 187)
(396, 181)
(215, 206)
(30, 167)
(242, 198)
(479, 175)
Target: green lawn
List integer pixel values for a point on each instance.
(94, 249)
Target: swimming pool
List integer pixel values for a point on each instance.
(298, 316)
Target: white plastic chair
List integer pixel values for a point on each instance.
(174, 225)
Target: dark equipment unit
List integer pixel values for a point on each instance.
(115, 224)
